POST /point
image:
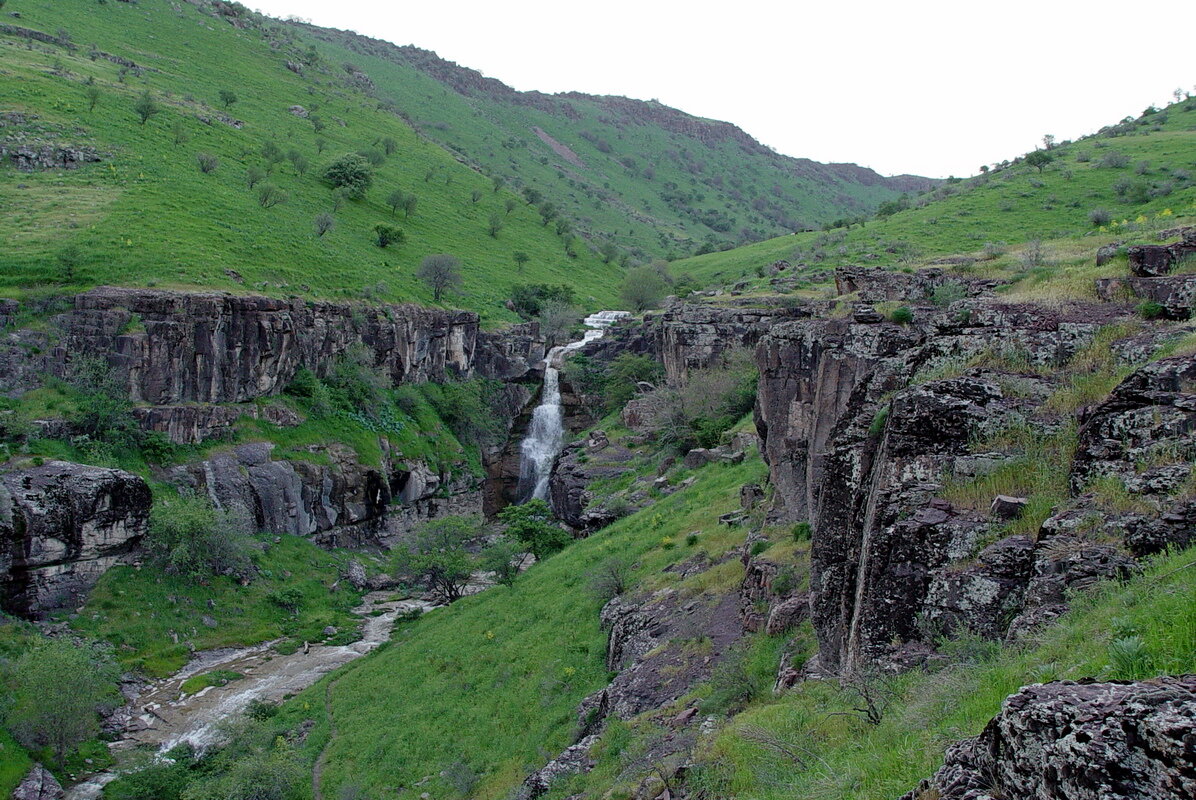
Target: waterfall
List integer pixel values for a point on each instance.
(546, 433)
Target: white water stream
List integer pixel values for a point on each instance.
(546, 433)
(162, 716)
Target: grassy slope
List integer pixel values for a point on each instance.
(147, 216)
(618, 191)
(1010, 206)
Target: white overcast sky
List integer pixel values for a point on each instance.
(925, 87)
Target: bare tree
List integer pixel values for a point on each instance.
(441, 272)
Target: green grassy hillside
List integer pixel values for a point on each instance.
(647, 178)
(1140, 173)
(147, 215)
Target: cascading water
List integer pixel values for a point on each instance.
(546, 433)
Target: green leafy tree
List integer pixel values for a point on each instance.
(494, 225)
(190, 537)
(92, 93)
(323, 223)
(437, 557)
(441, 272)
(228, 97)
(502, 559)
(146, 107)
(56, 691)
(548, 212)
(395, 200)
(1039, 159)
(409, 204)
(352, 173)
(531, 525)
(521, 258)
(389, 145)
(643, 288)
(254, 176)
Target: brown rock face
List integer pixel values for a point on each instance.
(61, 526)
(1079, 741)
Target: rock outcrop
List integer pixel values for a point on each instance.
(336, 500)
(1079, 740)
(39, 784)
(61, 526)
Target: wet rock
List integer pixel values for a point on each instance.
(63, 525)
(1079, 740)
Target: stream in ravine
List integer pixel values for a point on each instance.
(162, 717)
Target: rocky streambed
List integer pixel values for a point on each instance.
(161, 715)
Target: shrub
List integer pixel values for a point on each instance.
(352, 173)
(227, 97)
(501, 559)
(877, 426)
(386, 235)
(375, 157)
(902, 316)
(993, 250)
(190, 537)
(528, 299)
(57, 689)
(947, 293)
(494, 225)
(1149, 309)
(207, 162)
(1114, 160)
(269, 195)
(1099, 216)
(802, 532)
(254, 176)
(323, 223)
(611, 579)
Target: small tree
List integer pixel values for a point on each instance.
(254, 176)
(92, 93)
(510, 204)
(385, 235)
(437, 557)
(643, 288)
(1039, 159)
(272, 153)
(395, 200)
(146, 106)
(207, 162)
(502, 559)
(548, 212)
(269, 195)
(389, 146)
(228, 97)
(409, 204)
(324, 222)
(531, 525)
(556, 320)
(521, 259)
(495, 225)
(441, 272)
(180, 132)
(1048, 141)
(300, 163)
(58, 690)
(475, 195)
(352, 173)
(497, 182)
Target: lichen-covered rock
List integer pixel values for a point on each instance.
(876, 284)
(1175, 294)
(1079, 740)
(62, 525)
(39, 784)
(572, 760)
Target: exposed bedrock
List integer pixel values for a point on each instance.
(1079, 740)
(864, 456)
(61, 526)
(208, 347)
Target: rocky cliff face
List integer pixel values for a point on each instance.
(1078, 740)
(866, 458)
(61, 526)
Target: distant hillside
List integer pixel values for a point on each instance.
(93, 195)
(649, 178)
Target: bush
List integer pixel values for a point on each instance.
(1149, 309)
(352, 173)
(711, 403)
(802, 532)
(386, 235)
(437, 556)
(947, 293)
(1099, 217)
(103, 412)
(254, 176)
(1114, 160)
(441, 272)
(189, 537)
(902, 316)
(528, 298)
(146, 107)
(269, 195)
(611, 579)
(323, 223)
(207, 162)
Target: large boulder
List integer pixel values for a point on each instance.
(39, 784)
(62, 525)
(1079, 740)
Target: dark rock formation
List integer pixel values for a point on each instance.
(338, 501)
(1079, 740)
(877, 284)
(176, 347)
(61, 526)
(1175, 293)
(1153, 260)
